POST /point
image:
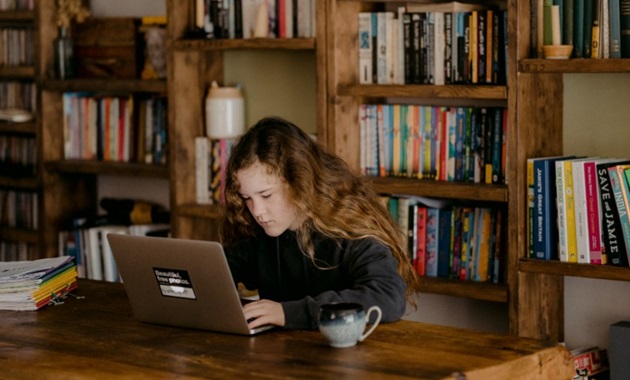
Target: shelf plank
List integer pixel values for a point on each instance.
(26, 128)
(108, 168)
(19, 235)
(426, 91)
(440, 189)
(25, 183)
(195, 210)
(467, 289)
(249, 43)
(606, 272)
(574, 66)
(17, 15)
(106, 85)
(17, 71)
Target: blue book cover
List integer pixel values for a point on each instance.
(545, 208)
(615, 28)
(460, 132)
(578, 29)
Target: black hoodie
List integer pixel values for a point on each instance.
(362, 271)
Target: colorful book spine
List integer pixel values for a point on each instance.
(444, 242)
(613, 244)
(592, 212)
(365, 48)
(581, 226)
(432, 237)
(620, 191)
(420, 263)
(569, 204)
(562, 215)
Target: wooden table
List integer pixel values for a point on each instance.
(97, 338)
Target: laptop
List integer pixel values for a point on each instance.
(179, 282)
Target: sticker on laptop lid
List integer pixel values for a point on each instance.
(174, 283)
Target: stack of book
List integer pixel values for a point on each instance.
(31, 285)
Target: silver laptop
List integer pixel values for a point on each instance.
(178, 282)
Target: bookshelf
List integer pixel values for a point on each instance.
(540, 300)
(343, 124)
(21, 178)
(69, 186)
(193, 65)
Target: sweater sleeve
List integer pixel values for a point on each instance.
(374, 279)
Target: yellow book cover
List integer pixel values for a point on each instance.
(569, 207)
(530, 206)
(485, 238)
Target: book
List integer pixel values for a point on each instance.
(561, 196)
(624, 27)
(545, 236)
(581, 224)
(202, 170)
(593, 210)
(619, 188)
(613, 244)
(614, 28)
(421, 232)
(33, 284)
(432, 238)
(365, 48)
(444, 243)
(448, 6)
(578, 29)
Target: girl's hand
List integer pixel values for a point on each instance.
(264, 312)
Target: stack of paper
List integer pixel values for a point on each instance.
(31, 285)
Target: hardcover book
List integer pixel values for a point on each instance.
(545, 236)
(613, 244)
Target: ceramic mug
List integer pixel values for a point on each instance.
(343, 323)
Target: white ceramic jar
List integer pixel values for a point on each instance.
(225, 112)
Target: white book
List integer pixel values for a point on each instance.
(288, 18)
(110, 272)
(93, 264)
(562, 214)
(382, 76)
(202, 170)
(400, 48)
(303, 12)
(365, 48)
(392, 47)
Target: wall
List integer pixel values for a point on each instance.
(592, 102)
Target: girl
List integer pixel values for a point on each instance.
(305, 231)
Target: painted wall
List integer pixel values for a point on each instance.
(597, 122)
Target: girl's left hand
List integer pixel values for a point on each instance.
(264, 312)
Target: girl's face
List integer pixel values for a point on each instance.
(267, 199)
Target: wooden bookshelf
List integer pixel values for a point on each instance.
(195, 64)
(343, 129)
(70, 185)
(22, 182)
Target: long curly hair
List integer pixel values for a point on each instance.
(336, 202)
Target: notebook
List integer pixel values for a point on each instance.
(179, 282)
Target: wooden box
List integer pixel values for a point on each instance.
(108, 47)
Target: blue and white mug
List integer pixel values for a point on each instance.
(343, 323)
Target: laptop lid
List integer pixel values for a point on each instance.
(179, 282)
